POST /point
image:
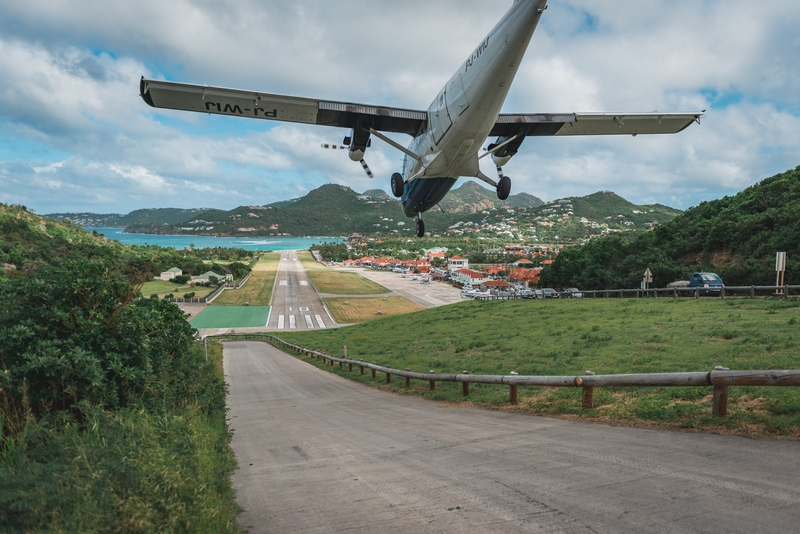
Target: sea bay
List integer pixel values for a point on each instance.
(199, 241)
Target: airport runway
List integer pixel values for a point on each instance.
(319, 453)
(295, 302)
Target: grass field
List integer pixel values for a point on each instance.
(327, 280)
(161, 288)
(231, 317)
(359, 310)
(605, 336)
(258, 290)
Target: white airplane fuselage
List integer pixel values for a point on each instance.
(466, 109)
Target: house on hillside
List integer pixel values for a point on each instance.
(172, 273)
(206, 278)
(523, 263)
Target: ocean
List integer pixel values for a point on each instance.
(199, 241)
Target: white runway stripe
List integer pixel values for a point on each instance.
(320, 322)
(309, 322)
(281, 322)
(303, 283)
(292, 322)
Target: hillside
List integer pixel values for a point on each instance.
(116, 220)
(473, 198)
(736, 237)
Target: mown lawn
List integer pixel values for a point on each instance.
(258, 290)
(359, 310)
(162, 287)
(605, 336)
(327, 280)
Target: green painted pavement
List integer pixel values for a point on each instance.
(231, 317)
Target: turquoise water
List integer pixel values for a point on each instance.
(199, 241)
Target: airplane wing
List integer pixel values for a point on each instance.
(255, 105)
(545, 124)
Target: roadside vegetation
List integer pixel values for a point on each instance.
(111, 418)
(604, 336)
(258, 290)
(162, 288)
(332, 282)
(358, 310)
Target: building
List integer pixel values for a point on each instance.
(456, 263)
(206, 278)
(172, 273)
(468, 277)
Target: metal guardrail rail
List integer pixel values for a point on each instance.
(672, 292)
(720, 378)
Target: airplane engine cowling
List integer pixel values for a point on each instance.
(500, 161)
(356, 155)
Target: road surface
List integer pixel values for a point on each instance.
(295, 302)
(319, 453)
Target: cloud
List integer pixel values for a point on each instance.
(74, 135)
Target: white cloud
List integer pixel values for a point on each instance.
(69, 105)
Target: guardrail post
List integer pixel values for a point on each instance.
(433, 382)
(350, 367)
(408, 378)
(752, 292)
(785, 291)
(588, 394)
(362, 367)
(513, 390)
(697, 292)
(388, 377)
(373, 371)
(465, 386)
(722, 293)
(720, 407)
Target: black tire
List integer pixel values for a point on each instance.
(504, 188)
(398, 186)
(420, 228)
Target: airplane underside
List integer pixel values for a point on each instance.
(423, 194)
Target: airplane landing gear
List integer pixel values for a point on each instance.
(420, 228)
(397, 185)
(503, 187)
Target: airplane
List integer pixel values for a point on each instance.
(448, 136)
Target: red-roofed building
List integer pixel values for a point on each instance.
(496, 284)
(468, 277)
(523, 263)
(494, 271)
(457, 262)
(526, 275)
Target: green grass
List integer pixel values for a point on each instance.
(231, 317)
(358, 310)
(162, 287)
(258, 290)
(129, 471)
(605, 336)
(327, 280)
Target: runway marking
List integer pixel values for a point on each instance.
(292, 322)
(281, 322)
(303, 283)
(320, 322)
(309, 322)
(284, 282)
(303, 309)
(291, 309)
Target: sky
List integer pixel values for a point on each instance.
(75, 135)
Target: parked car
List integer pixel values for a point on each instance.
(709, 283)
(572, 293)
(550, 293)
(526, 294)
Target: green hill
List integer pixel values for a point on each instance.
(737, 237)
(473, 198)
(115, 220)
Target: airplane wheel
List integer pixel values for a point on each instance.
(397, 185)
(420, 228)
(504, 188)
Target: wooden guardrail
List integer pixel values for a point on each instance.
(720, 378)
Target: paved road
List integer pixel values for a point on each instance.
(319, 453)
(295, 302)
(428, 295)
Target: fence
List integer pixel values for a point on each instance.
(217, 292)
(696, 292)
(720, 378)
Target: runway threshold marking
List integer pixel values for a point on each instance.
(303, 283)
(320, 322)
(281, 322)
(284, 282)
(292, 322)
(309, 322)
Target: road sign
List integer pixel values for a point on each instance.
(648, 276)
(780, 262)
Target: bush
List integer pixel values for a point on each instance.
(182, 279)
(189, 295)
